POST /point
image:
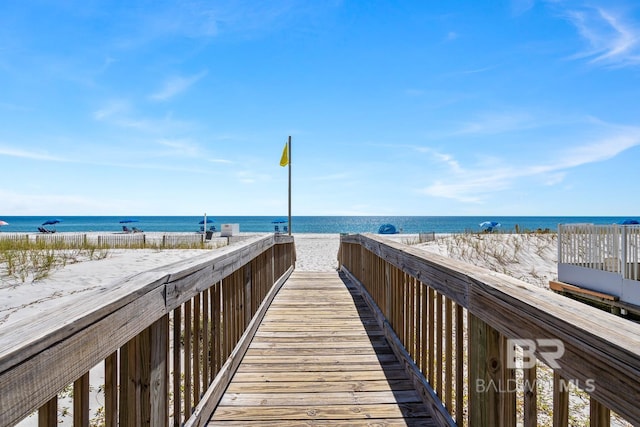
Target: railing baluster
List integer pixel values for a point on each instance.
(159, 372)
(530, 391)
(111, 390)
(439, 339)
(196, 347)
(48, 413)
(177, 367)
(144, 363)
(206, 333)
(431, 345)
(599, 415)
(188, 359)
(460, 376)
(424, 316)
(560, 401)
(448, 361)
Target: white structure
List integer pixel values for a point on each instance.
(228, 230)
(602, 258)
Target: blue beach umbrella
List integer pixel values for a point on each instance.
(489, 225)
(51, 221)
(208, 220)
(128, 220)
(279, 221)
(630, 222)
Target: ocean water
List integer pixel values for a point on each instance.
(301, 224)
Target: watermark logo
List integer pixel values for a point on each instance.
(550, 350)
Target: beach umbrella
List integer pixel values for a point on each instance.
(489, 225)
(206, 221)
(51, 221)
(630, 222)
(128, 220)
(3, 223)
(279, 221)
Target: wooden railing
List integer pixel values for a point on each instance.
(491, 350)
(162, 340)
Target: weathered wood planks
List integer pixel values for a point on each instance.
(319, 358)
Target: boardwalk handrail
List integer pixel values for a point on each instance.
(204, 303)
(432, 303)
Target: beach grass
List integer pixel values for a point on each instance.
(22, 260)
(25, 260)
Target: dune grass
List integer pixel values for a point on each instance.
(24, 260)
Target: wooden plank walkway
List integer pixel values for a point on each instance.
(319, 359)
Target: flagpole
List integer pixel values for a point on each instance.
(289, 152)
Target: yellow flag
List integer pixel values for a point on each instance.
(284, 160)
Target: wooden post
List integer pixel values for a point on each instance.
(130, 414)
(48, 413)
(439, 339)
(599, 415)
(388, 294)
(159, 411)
(560, 401)
(144, 363)
(206, 331)
(196, 348)
(188, 359)
(111, 390)
(431, 346)
(247, 295)
(448, 350)
(81, 401)
(487, 402)
(530, 397)
(459, 349)
(177, 399)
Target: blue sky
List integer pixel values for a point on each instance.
(395, 108)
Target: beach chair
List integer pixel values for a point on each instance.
(276, 229)
(136, 230)
(125, 229)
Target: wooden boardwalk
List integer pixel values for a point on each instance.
(320, 359)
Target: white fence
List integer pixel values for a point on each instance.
(612, 248)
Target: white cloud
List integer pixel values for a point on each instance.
(111, 109)
(473, 185)
(519, 7)
(14, 152)
(614, 40)
(176, 85)
(121, 114)
(494, 123)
